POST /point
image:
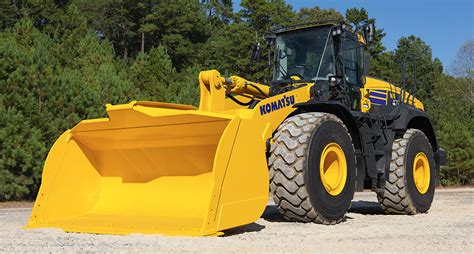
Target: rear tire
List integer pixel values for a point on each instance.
(402, 194)
(300, 188)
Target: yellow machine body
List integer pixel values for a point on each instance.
(382, 90)
(163, 168)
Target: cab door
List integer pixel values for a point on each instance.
(352, 64)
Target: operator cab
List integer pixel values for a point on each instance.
(330, 56)
(305, 55)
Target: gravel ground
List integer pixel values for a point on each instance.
(448, 227)
(16, 204)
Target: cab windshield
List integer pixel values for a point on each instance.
(306, 55)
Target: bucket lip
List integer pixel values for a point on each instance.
(152, 104)
(152, 110)
(165, 105)
(94, 229)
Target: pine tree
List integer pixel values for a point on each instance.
(452, 111)
(181, 30)
(152, 74)
(316, 14)
(219, 12)
(428, 70)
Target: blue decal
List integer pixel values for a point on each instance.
(276, 105)
(377, 101)
(379, 94)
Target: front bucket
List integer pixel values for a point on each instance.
(144, 170)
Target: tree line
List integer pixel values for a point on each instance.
(61, 61)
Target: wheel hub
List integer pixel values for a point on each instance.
(333, 169)
(421, 172)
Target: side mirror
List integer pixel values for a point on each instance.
(369, 33)
(255, 53)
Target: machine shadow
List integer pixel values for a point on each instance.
(271, 213)
(252, 227)
(366, 208)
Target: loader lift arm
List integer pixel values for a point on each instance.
(214, 89)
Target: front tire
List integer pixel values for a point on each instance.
(410, 185)
(312, 168)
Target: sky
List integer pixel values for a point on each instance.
(443, 24)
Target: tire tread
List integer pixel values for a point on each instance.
(395, 198)
(286, 164)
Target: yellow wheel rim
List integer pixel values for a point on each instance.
(333, 169)
(421, 172)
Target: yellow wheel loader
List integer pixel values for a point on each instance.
(322, 130)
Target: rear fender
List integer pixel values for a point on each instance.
(413, 118)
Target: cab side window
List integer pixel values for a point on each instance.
(351, 52)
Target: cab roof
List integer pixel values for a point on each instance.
(302, 26)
